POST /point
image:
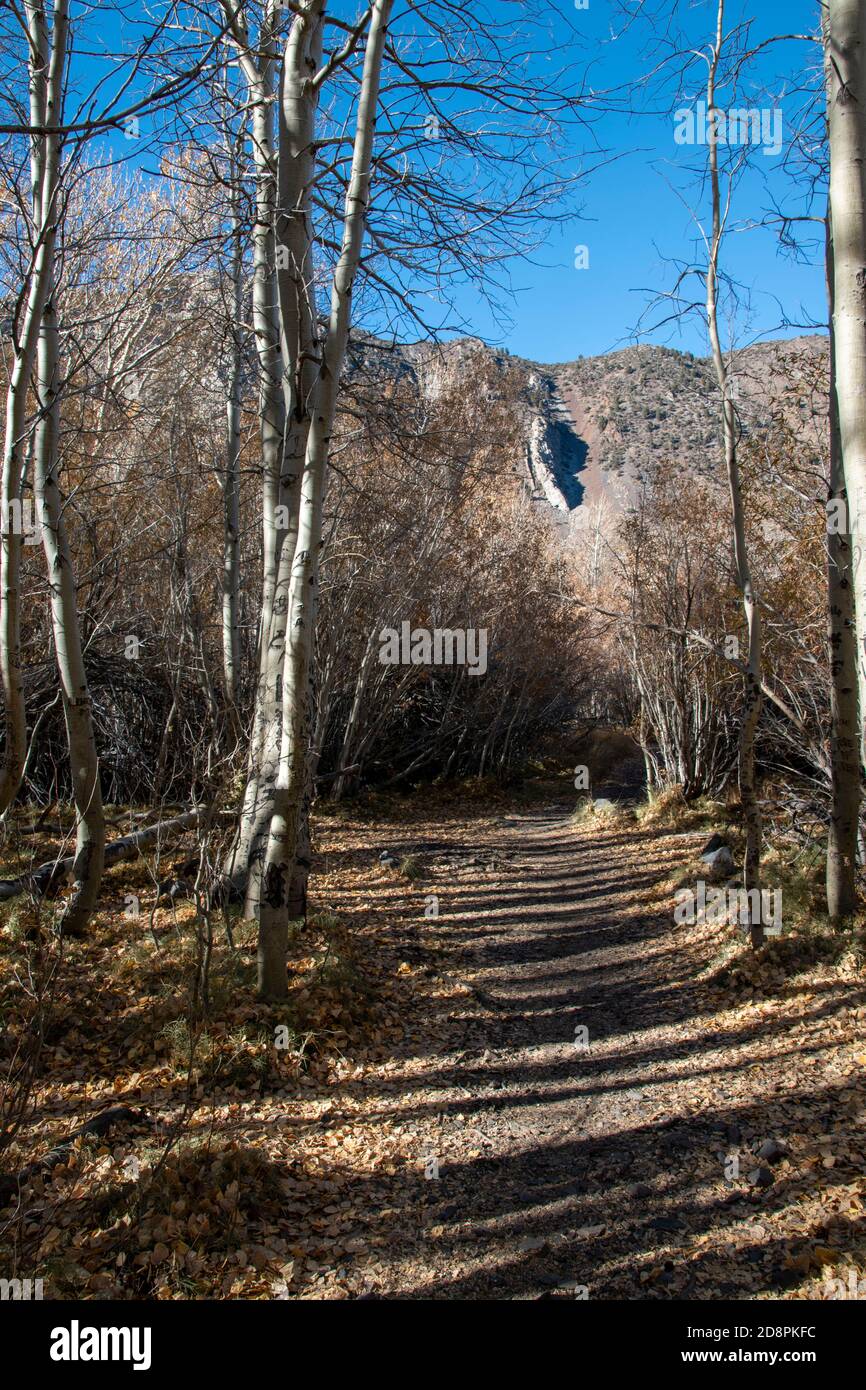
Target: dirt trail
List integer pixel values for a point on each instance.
(563, 1167)
(441, 1126)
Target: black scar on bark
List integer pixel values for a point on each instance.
(275, 885)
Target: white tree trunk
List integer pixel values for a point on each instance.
(258, 62)
(844, 734)
(299, 354)
(47, 68)
(303, 594)
(83, 761)
(753, 698)
(845, 67)
(231, 578)
(283, 263)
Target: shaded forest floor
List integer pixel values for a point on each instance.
(433, 1123)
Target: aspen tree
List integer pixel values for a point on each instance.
(47, 65)
(753, 698)
(844, 29)
(844, 737)
(302, 596)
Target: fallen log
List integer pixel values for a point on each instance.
(100, 1124)
(49, 828)
(50, 876)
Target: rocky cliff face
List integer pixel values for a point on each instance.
(555, 452)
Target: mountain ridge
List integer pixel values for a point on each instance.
(594, 425)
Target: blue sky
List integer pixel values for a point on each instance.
(630, 214)
(632, 221)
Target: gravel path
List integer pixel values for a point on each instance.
(541, 1160)
(566, 1142)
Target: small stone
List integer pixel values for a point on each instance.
(638, 1189)
(531, 1243)
(666, 1223)
(719, 862)
(771, 1151)
(761, 1177)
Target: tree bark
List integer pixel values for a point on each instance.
(844, 26)
(291, 372)
(83, 760)
(844, 738)
(231, 578)
(303, 592)
(47, 70)
(753, 698)
(258, 62)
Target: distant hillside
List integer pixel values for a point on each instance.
(643, 404)
(594, 425)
